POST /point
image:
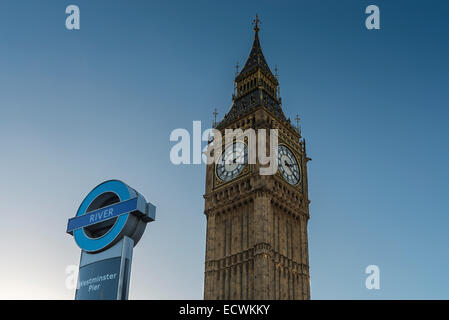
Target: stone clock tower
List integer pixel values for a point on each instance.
(256, 241)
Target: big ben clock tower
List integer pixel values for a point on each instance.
(256, 241)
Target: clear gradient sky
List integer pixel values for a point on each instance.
(81, 107)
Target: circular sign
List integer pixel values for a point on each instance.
(109, 212)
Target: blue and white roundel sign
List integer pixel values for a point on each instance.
(109, 212)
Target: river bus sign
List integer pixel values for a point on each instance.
(108, 224)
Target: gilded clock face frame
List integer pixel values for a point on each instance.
(288, 165)
(232, 162)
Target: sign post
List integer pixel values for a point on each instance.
(108, 224)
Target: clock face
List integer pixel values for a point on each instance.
(288, 165)
(232, 161)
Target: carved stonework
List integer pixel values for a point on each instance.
(256, 241)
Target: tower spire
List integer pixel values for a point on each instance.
(254, 84)
(256, 58)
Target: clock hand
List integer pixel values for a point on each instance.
(288, 164)
(231, 161)
(239, 159)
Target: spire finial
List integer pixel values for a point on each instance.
(237, 69)
(256, 22)
(215, 117)
(297, 123)
(276, 74)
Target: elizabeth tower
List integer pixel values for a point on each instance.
(256, 241)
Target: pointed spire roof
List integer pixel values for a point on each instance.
(256, 57)
(254, 89)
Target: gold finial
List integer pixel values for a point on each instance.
(215, 116)
(256, 22)
(297, 123)
(276, 74)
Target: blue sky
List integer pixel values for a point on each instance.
(80, 107)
